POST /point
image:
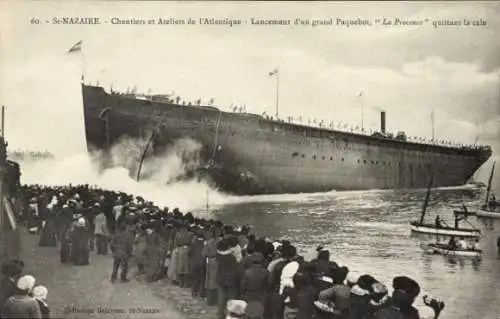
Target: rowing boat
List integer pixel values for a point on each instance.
(444, 249)
(431, 229)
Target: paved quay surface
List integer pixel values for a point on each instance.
(86, 291)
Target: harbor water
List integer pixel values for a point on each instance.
(369, 232)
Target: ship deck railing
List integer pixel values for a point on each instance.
(340, 127)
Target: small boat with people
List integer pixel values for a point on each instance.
(439, 227)
(454, 248)
(491, 207)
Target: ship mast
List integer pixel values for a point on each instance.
(362, 111)
(433, 126)
(277, 91)
(277, 74)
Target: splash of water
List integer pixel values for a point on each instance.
(156, 185)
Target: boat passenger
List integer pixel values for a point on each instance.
(452, 244)
(493, 202)
(462, 244)
(477, 246)
(458, 218)
(438, 222)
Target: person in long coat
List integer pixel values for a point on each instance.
(254, 281)
(64, 220)
(140, 250)
(209, 254)
(197, 265)
(65, 249)
(11, 272)
(182, 242)
(48, 237)
(154, 262)
(33, 216)
(228, 276)
(80, 254)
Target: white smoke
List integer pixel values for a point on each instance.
(156, 174)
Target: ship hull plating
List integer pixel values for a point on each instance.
(252, 155)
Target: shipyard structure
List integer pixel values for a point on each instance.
(252, 154)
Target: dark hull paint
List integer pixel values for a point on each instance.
(254, 155)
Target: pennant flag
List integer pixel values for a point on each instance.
(76, 48)
(273, 72)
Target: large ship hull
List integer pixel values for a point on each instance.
(249, 154)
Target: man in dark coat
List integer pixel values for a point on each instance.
(228, 276)
(254, 281)
(121, 246)
(11, 272)
(197, 265)
(80, 243)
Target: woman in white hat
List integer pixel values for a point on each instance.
(40, 294)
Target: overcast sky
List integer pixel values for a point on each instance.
(406, 71)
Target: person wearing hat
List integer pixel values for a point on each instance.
(101, 232)
(48, 237)
(236, 309)
(80, 254)
(197, 264)
(228, 276)
(254, 281)
(340, 292)
(360, 296)
(117, 213)
(182, 241)
(209, 254)
(275, 301)
(64, 219)
(255, 310)
(21, 305)
(33, 216)
(121, 245)
(11, 272)
(40, 294)
(408, 289)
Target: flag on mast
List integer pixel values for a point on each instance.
(76, 48)
(273, 72)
